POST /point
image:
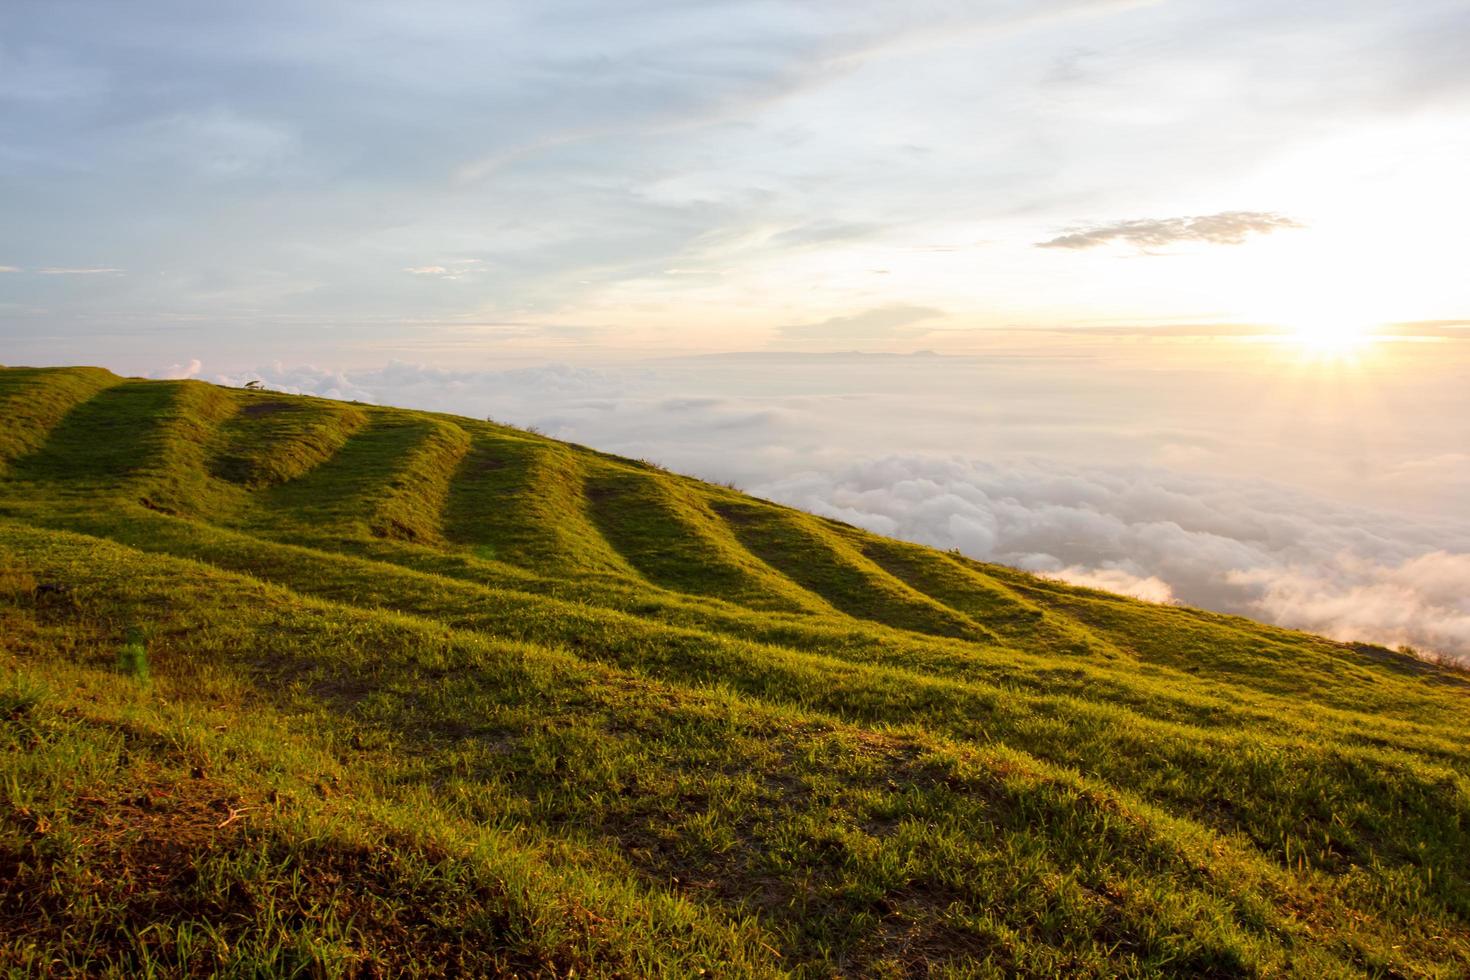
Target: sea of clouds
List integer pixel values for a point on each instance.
(1163, 476)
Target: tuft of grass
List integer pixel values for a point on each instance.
(132, 657)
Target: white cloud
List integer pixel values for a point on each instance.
(1246, 547)
(179, 372)
(1422, 602)
(1150, 589)
(454, 269)
(302, 380)
(80, 271)
(1225, 228)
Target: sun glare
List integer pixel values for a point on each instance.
(1328, 337)
(1324, 319)
(1321, 330)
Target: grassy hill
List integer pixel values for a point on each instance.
(303, 688)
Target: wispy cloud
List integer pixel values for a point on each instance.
(882, 323)
(453, 269)
(80, 271)
(9, 268)
(1225, 228)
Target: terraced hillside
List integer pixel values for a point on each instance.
(294, 687)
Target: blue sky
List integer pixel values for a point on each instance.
(441, 181)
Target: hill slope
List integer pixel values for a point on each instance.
(295, 687)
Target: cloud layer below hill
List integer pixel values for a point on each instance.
(1235, 546)
(1131, 469)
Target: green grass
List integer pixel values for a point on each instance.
(388, 480)
(274, 438)
(520, 499)
(34, 400)
(296, 688)
(675, 539)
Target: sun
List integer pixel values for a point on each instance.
(1327, 336)
(1331, 322)
(1320, 297)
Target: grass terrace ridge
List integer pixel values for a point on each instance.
(295, 687)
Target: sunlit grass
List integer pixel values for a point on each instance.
(289, 687)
